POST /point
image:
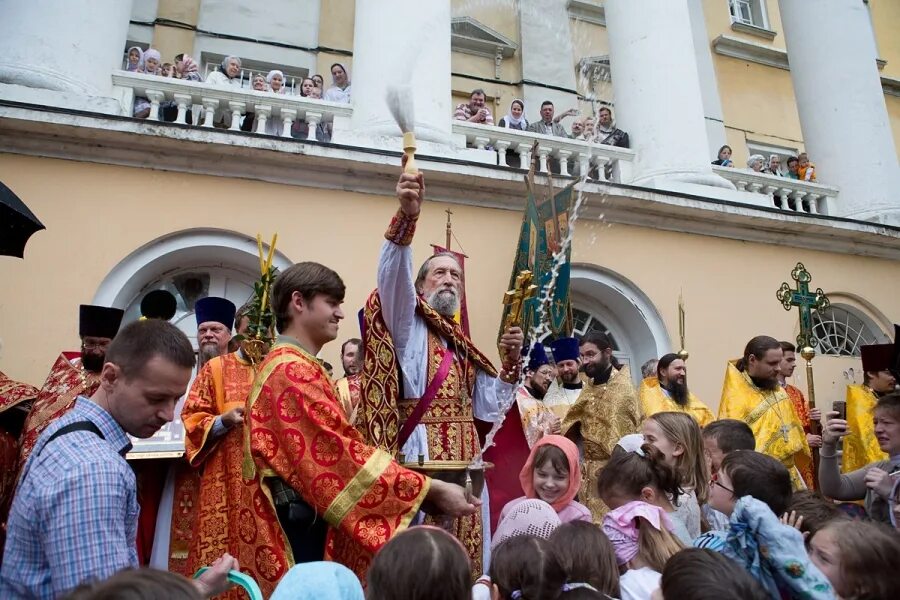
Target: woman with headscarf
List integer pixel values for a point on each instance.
(275, 79)
(135, 59)
(514, 119)
(187, 69)
(340, 90)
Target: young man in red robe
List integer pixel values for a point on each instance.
(316, 473)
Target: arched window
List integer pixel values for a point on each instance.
(842, 329)
(586, 323)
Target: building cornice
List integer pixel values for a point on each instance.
(762, 32)
(470, 36)
(770, 56)
(34, 131)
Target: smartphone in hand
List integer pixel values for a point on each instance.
(841, 407)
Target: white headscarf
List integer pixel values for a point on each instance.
(510, 121)
(140, 62)
(271, 75)
(151, 53)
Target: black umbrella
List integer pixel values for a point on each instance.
(17, 223)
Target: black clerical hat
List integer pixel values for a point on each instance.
(158, 304)
(215, 309)
(99, 321)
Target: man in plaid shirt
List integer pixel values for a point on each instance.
(75, 513)
(475, 111)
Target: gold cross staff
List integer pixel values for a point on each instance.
(516, 297)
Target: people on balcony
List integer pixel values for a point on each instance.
(135, 59)
(578, 129)
(319, 81)
(756, 163)
(275, 79)
(589, 130)
(806, 171)
(547, 125)
(475, 111)
(340, 89)
(793, 164)
(167, 70)
(187, 68)
(774, 166)
(258, 83)
(724, 157)
(515, 118)
(151, 63)
(306, 86)
(608, 133)
(228, 73)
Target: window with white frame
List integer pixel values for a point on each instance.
(841, 330)
(749, 12)
(767, 150)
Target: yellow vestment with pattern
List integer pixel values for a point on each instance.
(859, 445)
(771, 416)
(603, 414)
(654, 399)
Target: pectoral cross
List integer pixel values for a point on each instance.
(515, 299)
(784, 432)
(804, 300)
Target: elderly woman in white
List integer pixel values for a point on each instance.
(228, 74)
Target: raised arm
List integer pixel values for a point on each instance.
(849, 486)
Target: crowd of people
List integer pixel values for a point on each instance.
(795, 167)
(599, 489)
(230, 73)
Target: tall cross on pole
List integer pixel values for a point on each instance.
(449, 227)
(805, 301)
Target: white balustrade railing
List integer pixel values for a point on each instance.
(574, 156)
(787, 194)
(211, 100)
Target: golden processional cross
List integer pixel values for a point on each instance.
(515, 299)
(805, 301)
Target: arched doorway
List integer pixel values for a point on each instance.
(190, 264)
(603, 299)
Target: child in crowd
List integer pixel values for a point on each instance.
(809, 511)
(167, 70)
(806, 171)
(552, 474)
(421, 563)
(677, 436)
(719, 438)
(638, 471)
(140, 584)
(641, 535)
(526, 568)
(860, 559)
(752, 489)
(135, 59)
(319, 581)
(530, 518)
(706, 575)
(587, 557)
(724, 157)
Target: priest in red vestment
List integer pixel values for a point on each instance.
(15, 398)
(424, 381)
(313, 466)
(72, 374)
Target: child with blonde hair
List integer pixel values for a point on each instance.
(677, 435)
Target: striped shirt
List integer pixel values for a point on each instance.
(75, 514)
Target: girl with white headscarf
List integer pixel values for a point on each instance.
(340, 90)
(135, 59)
(150, 65)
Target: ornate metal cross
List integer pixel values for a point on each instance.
(805, 300)
(516, 297)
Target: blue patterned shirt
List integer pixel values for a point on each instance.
(75, 514)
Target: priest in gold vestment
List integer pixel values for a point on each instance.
(606, 410)
(668, 392)
(348, 386)
(752, 393)
(860, 447)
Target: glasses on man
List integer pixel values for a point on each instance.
(89, 344)
(714, 480)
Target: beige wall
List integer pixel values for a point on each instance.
(98, 214)
(885, 20)
(335, 31)
(174, 40)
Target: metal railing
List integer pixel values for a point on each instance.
(787, 194)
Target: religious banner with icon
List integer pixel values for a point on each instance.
(545, 226)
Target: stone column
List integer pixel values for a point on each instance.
(656, 87)
(843, 115)
(402, 42)
(63, 45)
(547, 54)
(709, 85)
